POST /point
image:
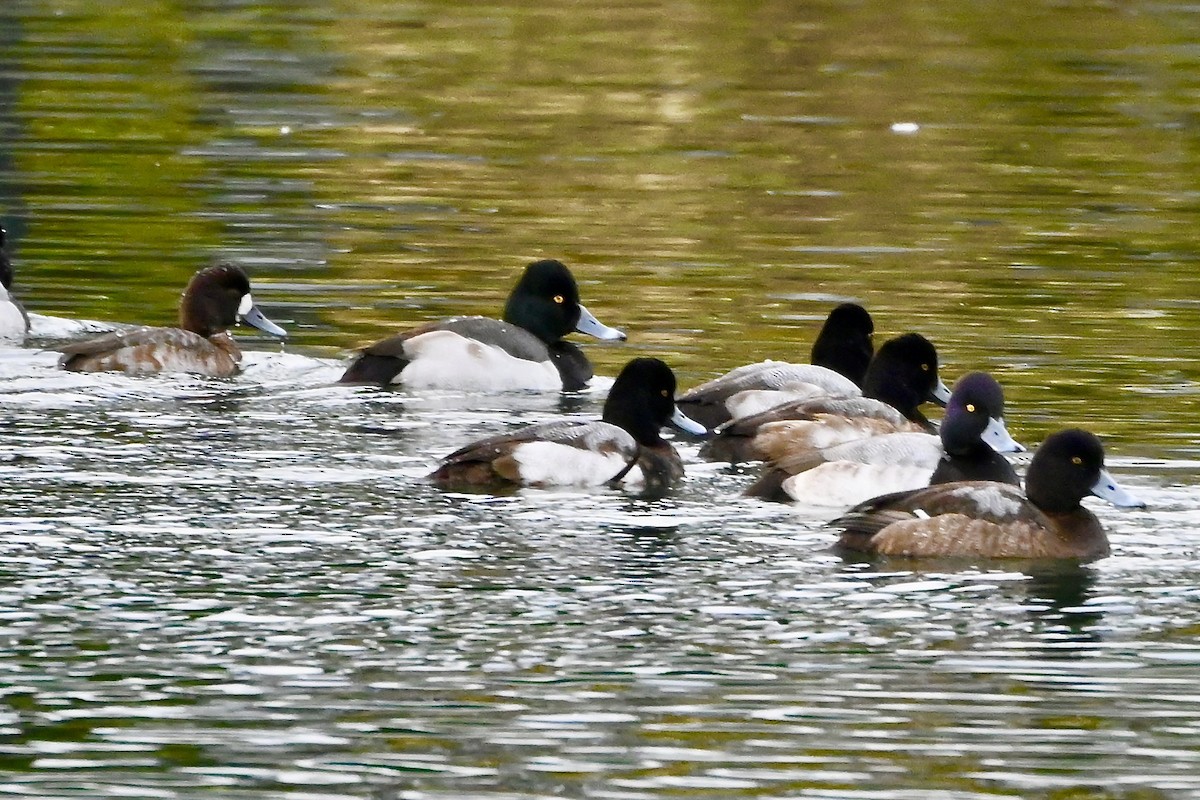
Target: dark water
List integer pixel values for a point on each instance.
(244, 589)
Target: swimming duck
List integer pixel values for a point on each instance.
(973, 434)
(840, 356)
(625, 445)
(968, 446)
(902, 375)
(14, 322)
(710, 403)
(525, 351)
(996, 520)
(214, 301)
(844, 344)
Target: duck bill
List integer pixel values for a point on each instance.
(940, 394)
(686, 424)
(1108, 489)
(998, 438)
(253, 317)
(593, 327)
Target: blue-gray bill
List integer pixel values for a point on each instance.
(593, 327)
(999, 439)
(255, 318)
(1108, 489)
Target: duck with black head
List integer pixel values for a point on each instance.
(845, 343)
(624, 446)
(996, 520)
(902, 376)
(215, 300)
(526, 350)
(840, 356)
(968, 446)
(14, 322)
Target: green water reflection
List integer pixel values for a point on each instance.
(718, 174)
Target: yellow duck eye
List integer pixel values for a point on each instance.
(924, 368)
(971, 407)
(558, 298)
(665, 393)
(1076, 460)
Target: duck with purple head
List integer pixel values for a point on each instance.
(967, 446)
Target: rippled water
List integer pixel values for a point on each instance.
(244, 588)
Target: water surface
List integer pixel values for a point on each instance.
(245, 589)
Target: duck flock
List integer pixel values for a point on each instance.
(844, 431)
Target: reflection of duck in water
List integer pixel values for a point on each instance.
(1057, 593)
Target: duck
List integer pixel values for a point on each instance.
(751, 388)
(525, 350)
(215, 299)
(14, 322)
(988, 519)
(844, 343)
(839, 359)
(968, 446)
(973, 435)
(625, 445)
(903, 375)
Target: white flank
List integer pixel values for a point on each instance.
(445, 360)
(43, 327)
(634, 478)
(909, 449)
(785, 376)
(817, 434)
(12, 324)
(779, 375)
(756, 401)
(554, 464)
(994, 500)
(847, 483)
(746, 370)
